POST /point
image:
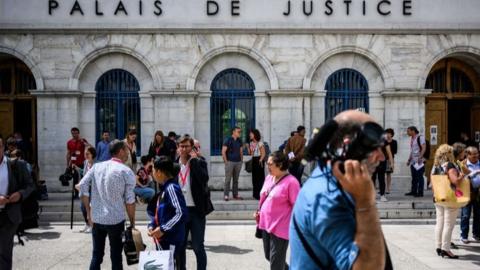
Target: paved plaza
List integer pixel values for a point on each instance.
(231, 245)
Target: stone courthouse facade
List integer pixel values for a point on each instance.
(200, 67)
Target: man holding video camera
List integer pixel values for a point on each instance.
(335, 223)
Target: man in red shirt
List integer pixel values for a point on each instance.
(76, 154)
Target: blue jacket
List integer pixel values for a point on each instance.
(171, 209)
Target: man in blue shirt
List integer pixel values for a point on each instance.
(232, 154)
(103, 152)
(335, 223)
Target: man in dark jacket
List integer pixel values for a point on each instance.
(15, 185)
(193, 179)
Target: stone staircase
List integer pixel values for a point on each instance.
(397, 210)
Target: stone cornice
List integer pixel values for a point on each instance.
(290, 93)
(174, 93)
(406, 92)
(55, 93)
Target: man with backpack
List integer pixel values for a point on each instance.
(15, 185)
(416, 161)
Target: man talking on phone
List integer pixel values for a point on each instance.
(335, 223)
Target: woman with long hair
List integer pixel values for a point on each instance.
(158, 147)
(130, 139)
(445, 164)
(257, 150)
(90, 155)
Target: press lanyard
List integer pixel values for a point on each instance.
(183, 177)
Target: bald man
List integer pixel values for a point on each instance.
(335, 223)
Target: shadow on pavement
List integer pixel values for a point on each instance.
(227, 249)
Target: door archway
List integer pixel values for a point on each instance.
(451, 108)
(18, 112)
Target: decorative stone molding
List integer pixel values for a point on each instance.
(368, 54)
(90, 58)
(29, 62)
(454, 51)
(250, 52)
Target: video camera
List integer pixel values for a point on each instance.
(338, 144)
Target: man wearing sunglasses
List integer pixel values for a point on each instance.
(335, 222)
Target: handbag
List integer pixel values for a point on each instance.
(444, 193)
(249, 166)
(158, 259)
(258, 231)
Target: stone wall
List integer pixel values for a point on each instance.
(175, 72)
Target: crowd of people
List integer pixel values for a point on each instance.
(328, 221)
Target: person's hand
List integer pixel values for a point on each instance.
(89, 219)
(356, 181)
(156, 233)
(4, 200)
(193, 154)
(14, 197)
(419, 161)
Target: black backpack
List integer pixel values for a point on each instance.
(426, 155)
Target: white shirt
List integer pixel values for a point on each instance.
(184, 180)
(3, 179)
(112, 185)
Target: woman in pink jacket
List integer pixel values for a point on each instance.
(277, 198)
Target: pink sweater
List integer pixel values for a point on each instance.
(277, 209)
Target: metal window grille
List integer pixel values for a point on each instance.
(459, 81)
(437, 81)
(118, 105)
(346, 89)
(232, 104)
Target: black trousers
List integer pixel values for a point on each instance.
(258, 176)
(380, 174)
(7, 233)
(296, 169)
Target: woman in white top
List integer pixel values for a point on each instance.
(257, 150)
(132, 147)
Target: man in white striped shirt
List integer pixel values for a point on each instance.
(111, 183)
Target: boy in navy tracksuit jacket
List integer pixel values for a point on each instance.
(168, 211)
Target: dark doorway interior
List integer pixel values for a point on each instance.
(23, 120)
(458, 119)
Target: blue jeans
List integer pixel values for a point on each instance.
(196, 223)
(465, 219)
(145, 193)
(417, 180)
(99, 234)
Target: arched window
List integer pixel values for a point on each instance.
(232, 104)
(118, 104)
(346, 89)
(450, 76)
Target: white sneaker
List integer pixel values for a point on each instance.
(88, 230)
(85, 228)
(383, 199)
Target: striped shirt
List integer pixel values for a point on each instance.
(112, 185)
